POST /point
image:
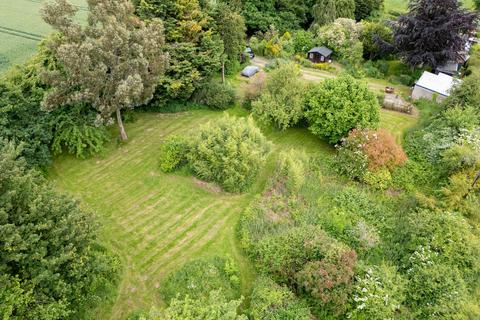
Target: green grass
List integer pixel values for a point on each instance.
(402, 5)
(22, 28)
(397, 123)
(156, 222)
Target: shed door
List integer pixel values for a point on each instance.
(312, 55)
(322, 58)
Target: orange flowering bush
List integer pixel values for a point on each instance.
(370, 155)
(380, 147)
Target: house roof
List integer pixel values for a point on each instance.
(450, 67)
(439, 83)
(324, 51)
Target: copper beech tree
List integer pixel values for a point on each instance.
(112, 63)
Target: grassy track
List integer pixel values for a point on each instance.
(156, 222)
(22, 28)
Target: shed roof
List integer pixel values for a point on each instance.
(439, 83)
(324, 51)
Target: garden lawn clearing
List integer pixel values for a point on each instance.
(156, 222)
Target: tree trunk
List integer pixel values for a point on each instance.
(223, 71)
(475, 180)
(123, 133)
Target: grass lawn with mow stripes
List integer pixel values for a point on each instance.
(156, 222)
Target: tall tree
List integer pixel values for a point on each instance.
(195, 49)
(433, 32)
(231, 27)
(365, 8)
(327, 11)
(112, 63)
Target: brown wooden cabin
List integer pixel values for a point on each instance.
(319, 55)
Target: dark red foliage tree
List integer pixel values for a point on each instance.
(433, 32)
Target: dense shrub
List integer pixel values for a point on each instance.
(229, 151)
(215, 95)
(373, 34)
(50, 264)
(435, 289)
(215, 307)
(282, 102)
(336, 106)
(378, 294)
(271, 301)
(284, 254)
(330, 280)
(254, 88)
(196, 279)
(466, 94)
(302, 41)
(343, 37)
(370, 156)
(76, 134)
(173, 153)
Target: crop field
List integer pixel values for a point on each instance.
(401, 5)
(22, 28)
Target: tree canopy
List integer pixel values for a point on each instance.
(433, 32)
(113, 63)
(50, 266)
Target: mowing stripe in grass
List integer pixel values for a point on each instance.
(195, 243)
(171, 240)
(165, 224)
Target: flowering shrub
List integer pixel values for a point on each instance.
(378, 294)
(370, 156)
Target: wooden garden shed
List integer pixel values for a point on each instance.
(319, 55)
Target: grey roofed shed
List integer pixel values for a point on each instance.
(324, 51)
(319, 54)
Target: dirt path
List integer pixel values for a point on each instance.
(319, 75)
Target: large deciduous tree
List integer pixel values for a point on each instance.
(433, 32)
(50, 266)
(112, 63)
(195, 49)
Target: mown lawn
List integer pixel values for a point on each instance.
(156, 222)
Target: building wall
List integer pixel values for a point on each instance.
(422, 93)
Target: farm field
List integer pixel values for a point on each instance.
(157, 222)
(22, 28)
(401, 5)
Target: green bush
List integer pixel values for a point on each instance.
(215, 95)
(271, 301)
(378, 295)
(229, 151)
(435, 289)
(282, 102)
(339, 105)
(173, 153)
(76, 134)
(284, 254)
(196, 279)
(51, 266)
(380, 179)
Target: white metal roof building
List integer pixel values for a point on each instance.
(430, 85)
